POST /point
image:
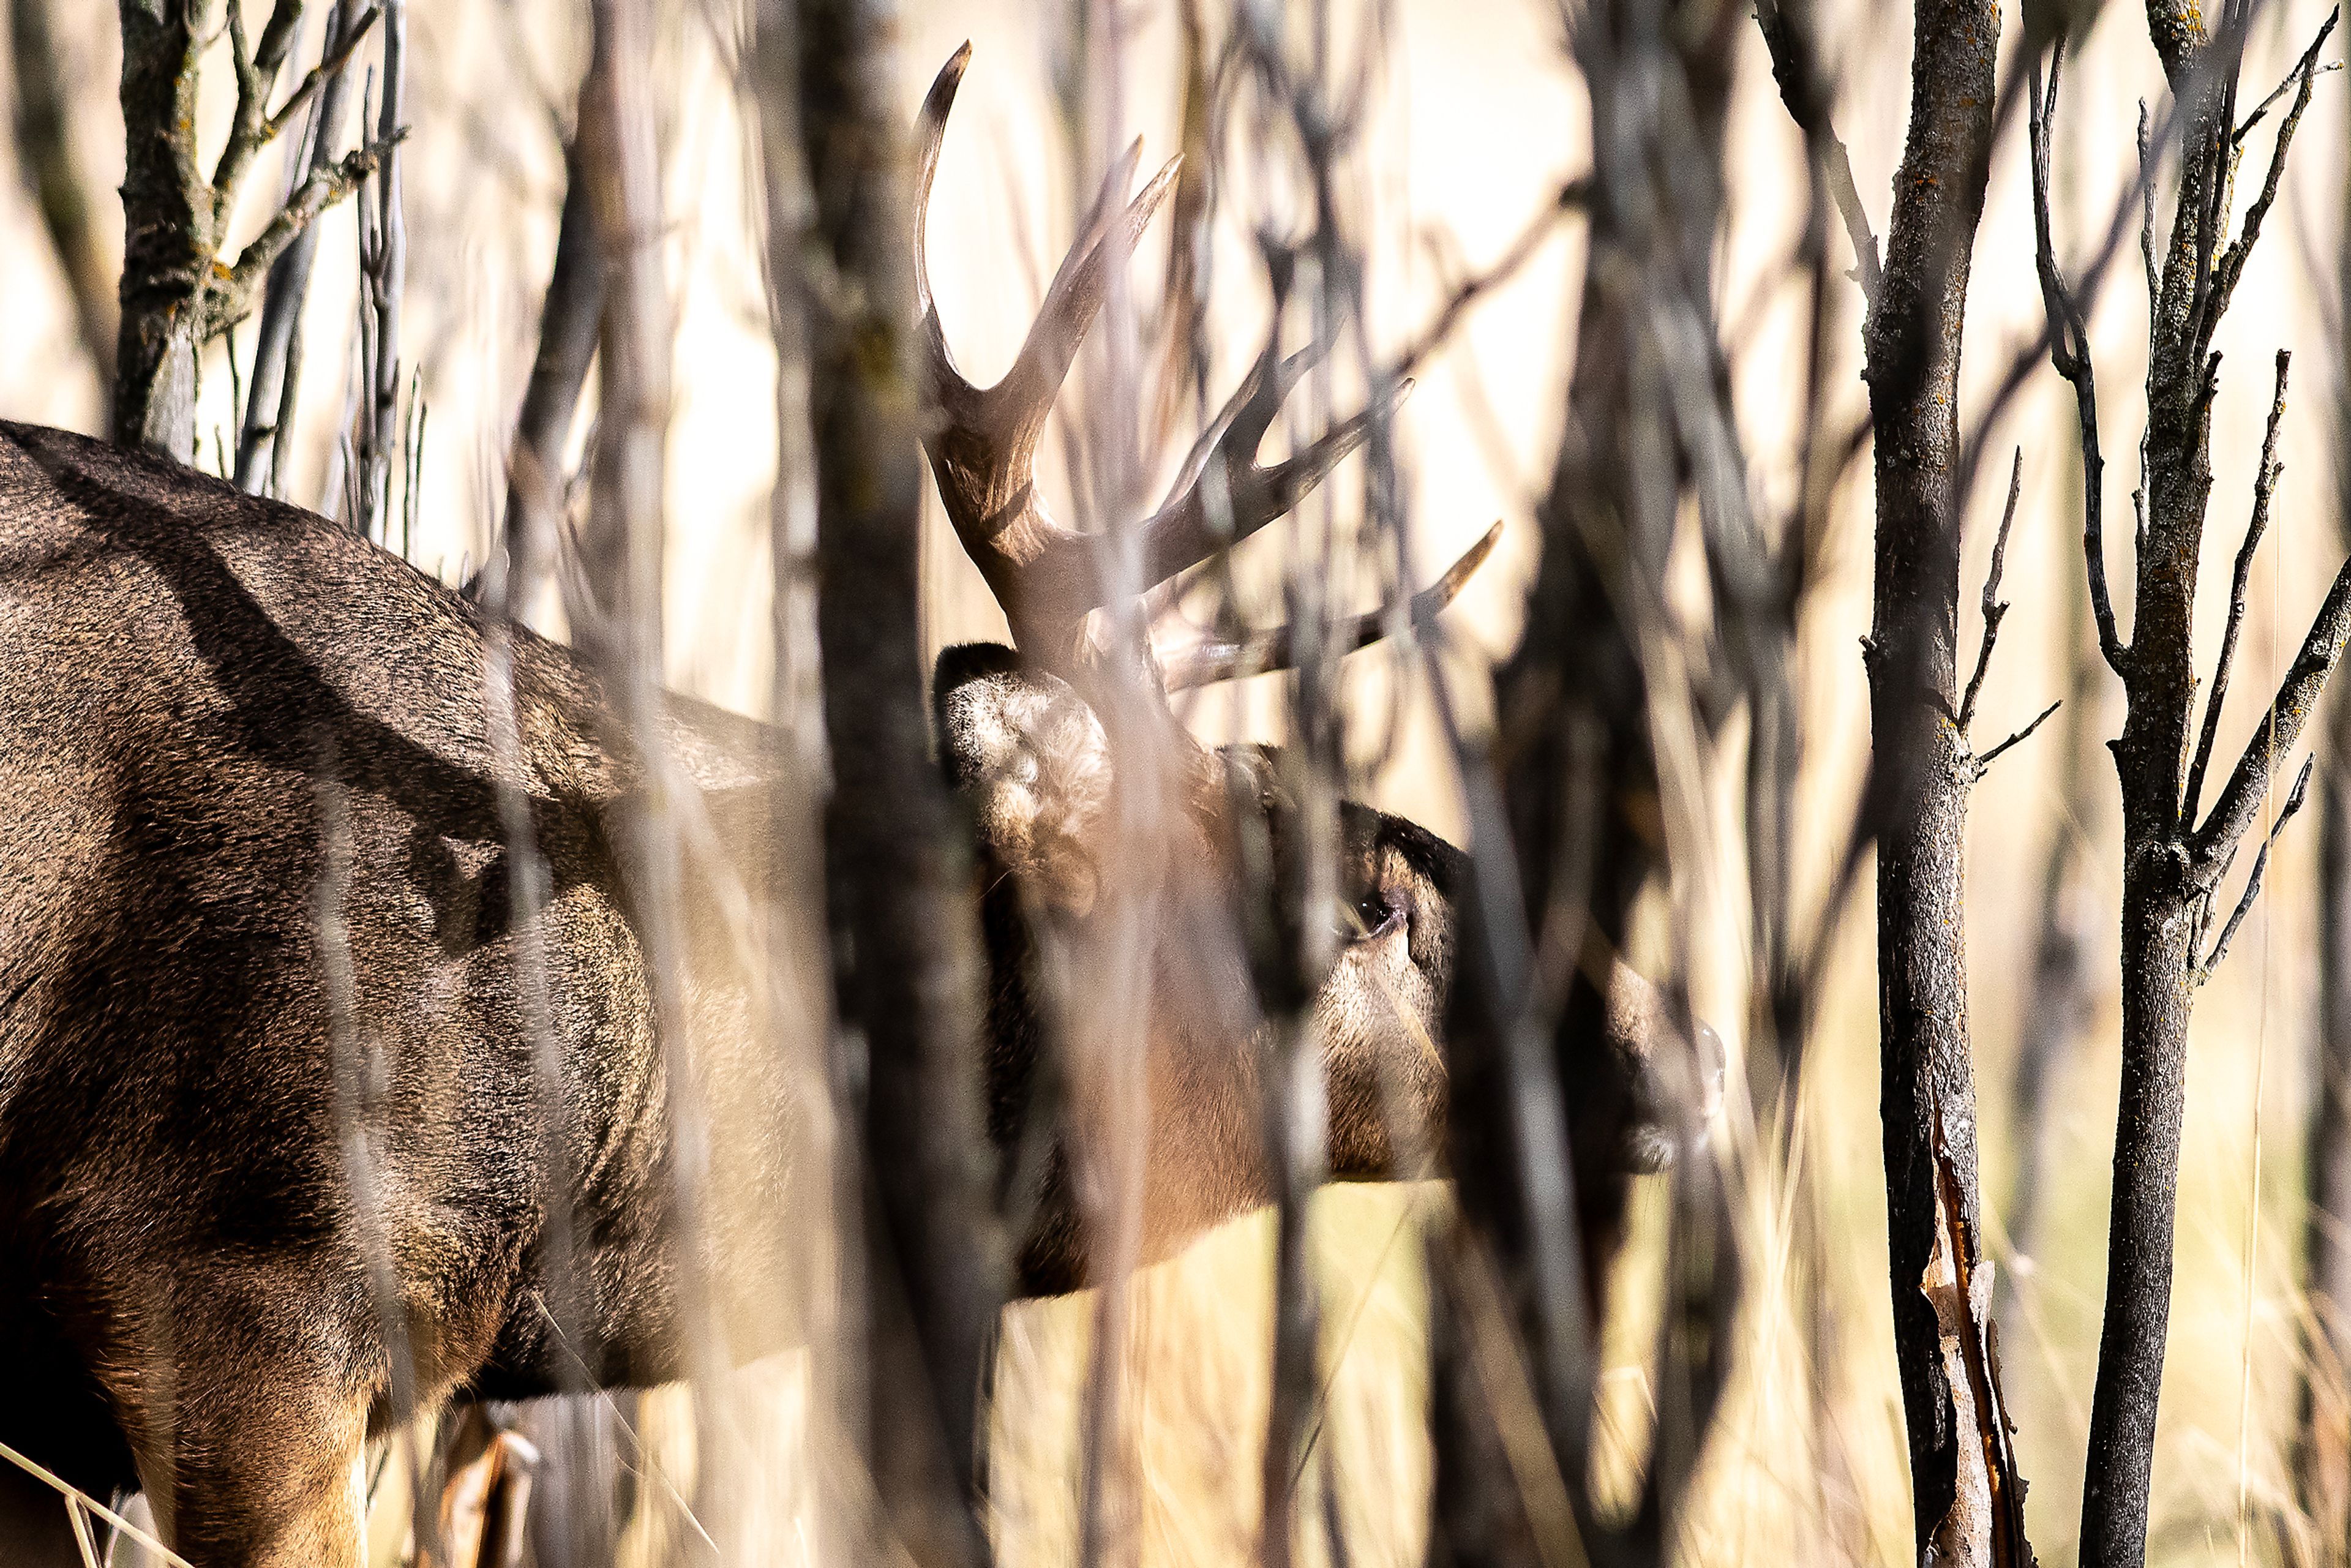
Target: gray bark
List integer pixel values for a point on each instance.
(178, 292)
(905, 951)
(1922, 766)
(166, 231)
(2172, 864)
(277, 368)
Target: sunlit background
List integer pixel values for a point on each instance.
(1475, 117)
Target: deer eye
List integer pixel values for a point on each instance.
(1376, 914)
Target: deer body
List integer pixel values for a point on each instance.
(306, 1123)
(255, 890)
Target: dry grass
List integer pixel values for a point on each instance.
(1806, 1463)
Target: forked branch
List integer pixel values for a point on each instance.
(2212, 961)
(1994, 607)
(231, 298)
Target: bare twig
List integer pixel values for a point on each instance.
(383, 265)
(269, 413)
(2254, 879)
(1984, 764)
(1571, 197)
(1213, 658)
(255, 67)
(1796, 68)
(1994, 609)
(2290, 710)
(2170, 866)
(2230, 266)
(321, 74)
(2264, 485)
(2069, 352)
(232, 297)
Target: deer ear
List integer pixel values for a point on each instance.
(1032, 764)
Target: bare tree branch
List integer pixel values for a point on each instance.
(255, 69)
(1795, 66)
(2170, 866)
(2069, 352)
(269, 415)
(321, 75)
(1994, 609)
(2254, 879)
(1983, 763)
(1216, 658)
(231, 300)
(2232, 264)
(905, 951)
(2264, 485)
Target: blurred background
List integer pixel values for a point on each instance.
(1474, 115)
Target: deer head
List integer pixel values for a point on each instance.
(1024, 742)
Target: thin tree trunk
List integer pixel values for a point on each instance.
(178, 291)
(905, 950)
(1922, 765)
(166, 248)
(2172, 863)
(567, 347)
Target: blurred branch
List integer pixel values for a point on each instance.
(1213, 658)
(1795, 66)
(1568, 812)
(45, 144)
(2322, 1442)
(904, 950)
(567, 322)
(383, 265)
(276, 381)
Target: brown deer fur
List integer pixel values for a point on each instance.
(272, 1048)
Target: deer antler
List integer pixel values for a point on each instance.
(982, 443)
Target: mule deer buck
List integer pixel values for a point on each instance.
(275, 1031)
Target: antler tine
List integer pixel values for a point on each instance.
(1075, 295)
(936, 104)
(1183, 532)
(982, 443)
(1213, 659)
